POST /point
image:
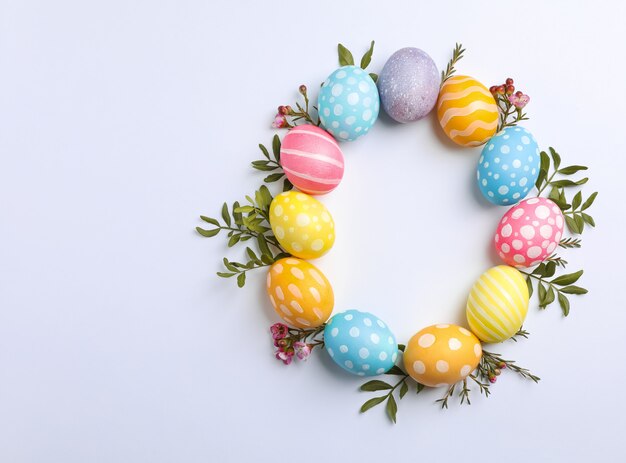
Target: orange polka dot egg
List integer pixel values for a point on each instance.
(442, 355)
(302, 225)
(300, 293)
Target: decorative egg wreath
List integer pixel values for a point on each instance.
(293, 227)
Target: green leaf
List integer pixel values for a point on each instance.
(555, 158)
(564, 303)
(540, 270)
(578, 199)
(567, 279)
(401, 347)
(207, 233)
(276, 148)
(571, 224)
(549, 297)
(225, 214)
(264, 166)
(588, 219)
(570, 170)
(529, 284)
(233, 240)
(229, 265)
(264, 150)
(371, 403)
(225, 275)
(542, 293)
(420, 388)
(580, 223)
(267, 197)
(241, 279)
(263, 247)
(252, 255)
(287, 185)
(237, 215)
(544, 165)
(574, 290)
(566, 182)
(375, 385)
(392, 408)
(345, 57)
(210, 220)
(374, 77)
(404, 389)
(367, 57)
(395, 370)
(550, 269)
(273, 177)
(587, 204)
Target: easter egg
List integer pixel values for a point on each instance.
(408, 85)
(529, 232)
(302, 225)
(497, 304)
(360, 343)
(508, 166)
(348, 103)
(299, 292)
(442, 355)
(311, 159)
(467, 111)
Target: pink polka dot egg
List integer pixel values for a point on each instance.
(311, 160)
(529, 232)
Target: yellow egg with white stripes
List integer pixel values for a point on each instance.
(467, 111)
(300, 293)
(497, 304)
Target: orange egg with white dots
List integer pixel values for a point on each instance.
(442, 355)
(300, 293)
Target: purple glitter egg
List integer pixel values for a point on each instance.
(409, 85)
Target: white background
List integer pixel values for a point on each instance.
(121, 122)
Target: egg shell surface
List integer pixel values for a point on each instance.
(467, 112)
(302, 225)
(348, 103)
(529, 232)
(508, 166)
(311, 159)
(441, 355)
(409, 85)
(300, 293)
(360, 343)
(497, 304)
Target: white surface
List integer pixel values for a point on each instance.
(121, 122)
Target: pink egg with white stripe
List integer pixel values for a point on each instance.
(529, 232)
(311, 159)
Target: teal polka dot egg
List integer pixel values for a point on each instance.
(508, 166)
(348, 103)
(360, 343)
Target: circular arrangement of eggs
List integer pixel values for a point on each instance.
(348, 103)
(408, 88)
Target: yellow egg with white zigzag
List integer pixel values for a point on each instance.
(497, 304)
(467, 111)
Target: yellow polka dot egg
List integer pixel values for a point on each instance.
(300, 293)
(302, 225)
(441, 355)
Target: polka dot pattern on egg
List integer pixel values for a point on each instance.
(348, 103)
(442, 355)
(508, 166)
(529, 232)
(360, 343)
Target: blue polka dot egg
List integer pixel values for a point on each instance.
(360, 343)
(508, 166)
(348, 103)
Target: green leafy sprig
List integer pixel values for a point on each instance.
(510, 115)
(550, 289)
(270, 164)
(243, 223)
(457, 54)
(346, 58)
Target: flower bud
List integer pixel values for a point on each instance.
(302, 89)
(509, 81)
(510, 89)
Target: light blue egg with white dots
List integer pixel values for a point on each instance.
(360, 343)
(348, 103)
(508, 166)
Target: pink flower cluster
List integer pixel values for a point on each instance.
(287, 346)
(517, 99)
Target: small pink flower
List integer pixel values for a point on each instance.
(519, 101)
(302, 349)
(280, 121)
(285, 356)
(493, 379)
(279, 330)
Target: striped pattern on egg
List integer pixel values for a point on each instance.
(467, 111)
(441, 355)
(529, 232)
(300, 293)
(302, 225)
(497, 304)
(311, 160)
